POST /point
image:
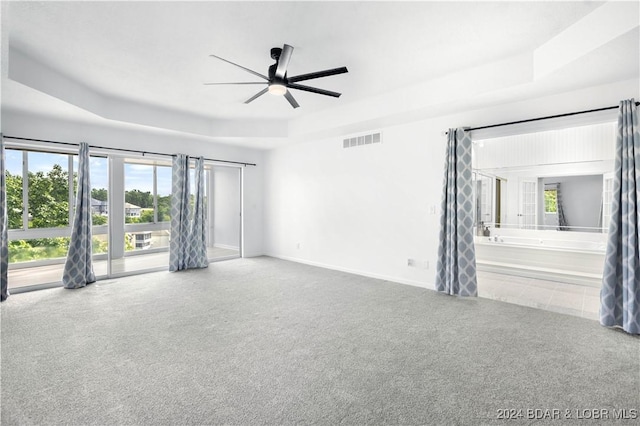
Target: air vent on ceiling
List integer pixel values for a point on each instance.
(369, 139)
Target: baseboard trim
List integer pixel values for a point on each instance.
(253, 254)
(414, 283)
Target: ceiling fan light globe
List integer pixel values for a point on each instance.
(277, 89)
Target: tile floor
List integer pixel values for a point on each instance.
(572, 299)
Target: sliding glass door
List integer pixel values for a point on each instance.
(131, 207)
(143, 228)
(225, 207)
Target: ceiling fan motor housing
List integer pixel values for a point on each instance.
(276, 52)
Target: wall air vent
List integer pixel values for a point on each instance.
(359, 140)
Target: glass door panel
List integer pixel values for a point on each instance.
(224, 240)
(147, 203)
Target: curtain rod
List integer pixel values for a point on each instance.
(121, 149)
(541, 118)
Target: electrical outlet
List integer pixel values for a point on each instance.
(425, 264)
(411, 262)
(298, 246)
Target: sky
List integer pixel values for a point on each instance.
(137, 176)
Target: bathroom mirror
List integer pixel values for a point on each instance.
(557, 180)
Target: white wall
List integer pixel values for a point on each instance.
(570, 145)
(363, 209)
(22, 124)
(369, 209)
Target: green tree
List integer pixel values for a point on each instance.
(48, 207)
(14, 200)
(550, 201)
(98, 219)
(99, 246)
(59, 180)
(164, 207)
(100, 194)
(42, 248)
(139, 198)
(129, 245)
(49, 198)
(146, 216)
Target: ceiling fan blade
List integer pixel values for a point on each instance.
(314, 90)
(283, 61)
(252, 82)
(257, 95)
(240, 66)
(291, 99)
(318, 74)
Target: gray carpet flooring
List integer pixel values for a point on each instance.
(266, 341)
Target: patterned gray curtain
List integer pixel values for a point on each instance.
(78, 267)
(620, 293)
(179, 213)
(456, 267)
(197, 242)
(4, 228)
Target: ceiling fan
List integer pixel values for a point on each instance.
(278, 82)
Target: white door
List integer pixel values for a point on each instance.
(528, 203)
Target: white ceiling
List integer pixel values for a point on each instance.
(155, 55)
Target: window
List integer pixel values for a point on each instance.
(147, 205)
(40, 203)
(138, 193)
(147, 193)
(49, 196)
(14, 178)
(47, 203)
(163, 192)
(99, 178)
(551, 201)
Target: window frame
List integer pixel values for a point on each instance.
(130, 228)
(27, 233)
